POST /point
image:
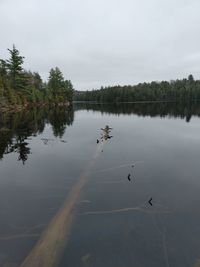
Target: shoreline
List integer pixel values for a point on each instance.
(135, 102)
(18, 108)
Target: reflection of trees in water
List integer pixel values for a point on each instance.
(21, 148)
(16, 128)
(59, 118)
(170, 109)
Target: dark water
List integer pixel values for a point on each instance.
(43, 153)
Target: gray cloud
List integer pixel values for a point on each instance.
(104, 42)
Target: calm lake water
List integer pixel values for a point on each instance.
(44, 153)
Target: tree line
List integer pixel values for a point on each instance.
(21, 87)
(176, 90)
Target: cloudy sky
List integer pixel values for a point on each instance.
(104, 42)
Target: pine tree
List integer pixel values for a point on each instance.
(68, 90)
(56, 85)
(37, 81)
(191, 78)
(14, 65)
(3, 77)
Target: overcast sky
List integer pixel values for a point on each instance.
(104, 42)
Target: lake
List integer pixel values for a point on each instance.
(57, 180)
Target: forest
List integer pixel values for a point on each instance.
(19, 87)
(175, 90)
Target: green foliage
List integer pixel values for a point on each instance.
(59, 89)
(179, 90)
(14, 65)
(56, 84)
(69, 91)
(13, 99)
(190, 78)
(3, 77)
(21, 87)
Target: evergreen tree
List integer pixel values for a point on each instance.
(37, 81)
(14, 65)
(56, 81)
(68, 88)
(57, 85)
(3, 77)
(190, 78)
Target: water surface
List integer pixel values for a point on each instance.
(43, 154)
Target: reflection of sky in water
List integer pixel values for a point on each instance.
(106, 231)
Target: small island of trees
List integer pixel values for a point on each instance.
(20, 88)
